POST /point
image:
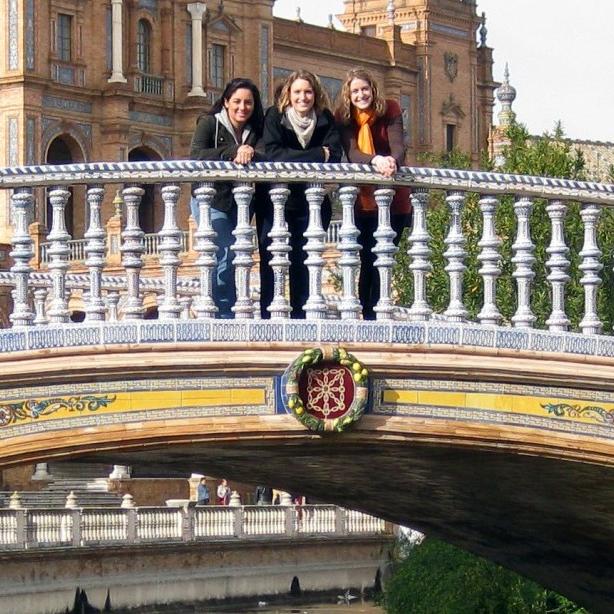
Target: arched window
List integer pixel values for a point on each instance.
(143, 46)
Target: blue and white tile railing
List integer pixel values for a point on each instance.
(41, 299)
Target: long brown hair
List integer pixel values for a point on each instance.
(320, 102)
(344, 105)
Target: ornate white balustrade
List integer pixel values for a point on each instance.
(42, 299)
(22, 529)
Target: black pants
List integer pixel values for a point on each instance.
(368, 282)
(299, 274)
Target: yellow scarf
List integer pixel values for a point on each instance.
(364, 120)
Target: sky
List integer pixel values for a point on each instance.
(560, 55)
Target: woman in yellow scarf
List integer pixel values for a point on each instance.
(372, 133)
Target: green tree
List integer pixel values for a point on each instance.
(548, 155)
(437, 577)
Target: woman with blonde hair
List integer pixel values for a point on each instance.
(372, 133)
(299, 128)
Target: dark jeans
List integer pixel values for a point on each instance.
(299, 274)
(368, 282)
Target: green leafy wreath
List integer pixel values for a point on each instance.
(310, 358)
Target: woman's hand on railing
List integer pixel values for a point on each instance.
(385, 165)
(245, 154)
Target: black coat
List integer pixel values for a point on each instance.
(207, 145)
(280, 144)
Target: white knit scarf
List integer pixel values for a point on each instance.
(303, 126)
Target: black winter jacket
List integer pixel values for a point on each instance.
(213, 141)
(281, 145)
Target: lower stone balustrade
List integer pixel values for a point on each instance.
(22, 529)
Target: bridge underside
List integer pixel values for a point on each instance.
(547, 519)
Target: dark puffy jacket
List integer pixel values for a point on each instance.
(213, 141)
(281, 145)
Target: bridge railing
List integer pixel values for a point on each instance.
(22, 529)
(42, 298)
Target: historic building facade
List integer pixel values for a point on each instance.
(126, 79)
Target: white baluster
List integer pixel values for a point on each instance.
(21, 253)
(558, 264)
(40, 297)
(58, 256)
(204, 245)
(385, 250)
(523, 249)
(315, 308)
(419, 253)
(95, 255)
(590, 267)
(169, 249)
(455, 255)
(132, 250)
(349, 248)
(112, 302)
(185, 302)
(489, 258)
(279, 249)
(244, 251)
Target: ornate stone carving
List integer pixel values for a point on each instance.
(315, 308)
(455, 255)
(450, 61)
(95, 255)
(349, 248)
(279, 249)
(385, 250)
(558, 263)
(523, 260)
(244, 251)
(419, 253)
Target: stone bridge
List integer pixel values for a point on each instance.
(493, 435)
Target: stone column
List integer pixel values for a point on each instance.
(197, 11)
(117, 27)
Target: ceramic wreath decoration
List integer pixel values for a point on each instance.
(327, 389)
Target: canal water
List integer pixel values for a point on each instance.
(333, 607)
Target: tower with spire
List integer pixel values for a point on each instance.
(498, 140)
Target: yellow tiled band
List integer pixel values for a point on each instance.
(57, 408)
(589, 412)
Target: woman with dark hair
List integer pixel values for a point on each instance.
(299, 128)
(228, 132)
(372, 133)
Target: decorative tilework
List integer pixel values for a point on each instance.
(13, 141)
(30, 140)
(443, 335)
(67, 104)
(407, 333)
(512, 339)
(150, 118)
(79, 334)
(30, 36)
(577, 344)
(193, 331)
(338, 332)
(480, 336)
(12, 42)
(157, 332)
(301, 331)
(373, 333)
(265, 44)
(266, 331)
(122, 333)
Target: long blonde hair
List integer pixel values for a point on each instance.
(344, 105)
(321, 100)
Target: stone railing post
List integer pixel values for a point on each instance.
(279, 249)
(315, 308)
(169, 248)
(112, 302)
(349, 248)
(77, 518)
(590, 267)
(132, 524)
(244, 251)
(40, 298)
(489, 258)
(187, 528)
(132, 249)
(419, 253)
(21, 527)
(204, 246)
(95, 255)
(290, 520)
(558, 263)
(237, 521)
(58, 256)
(341, 527)
(523, 249)
(455, 255)
(385, 250)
